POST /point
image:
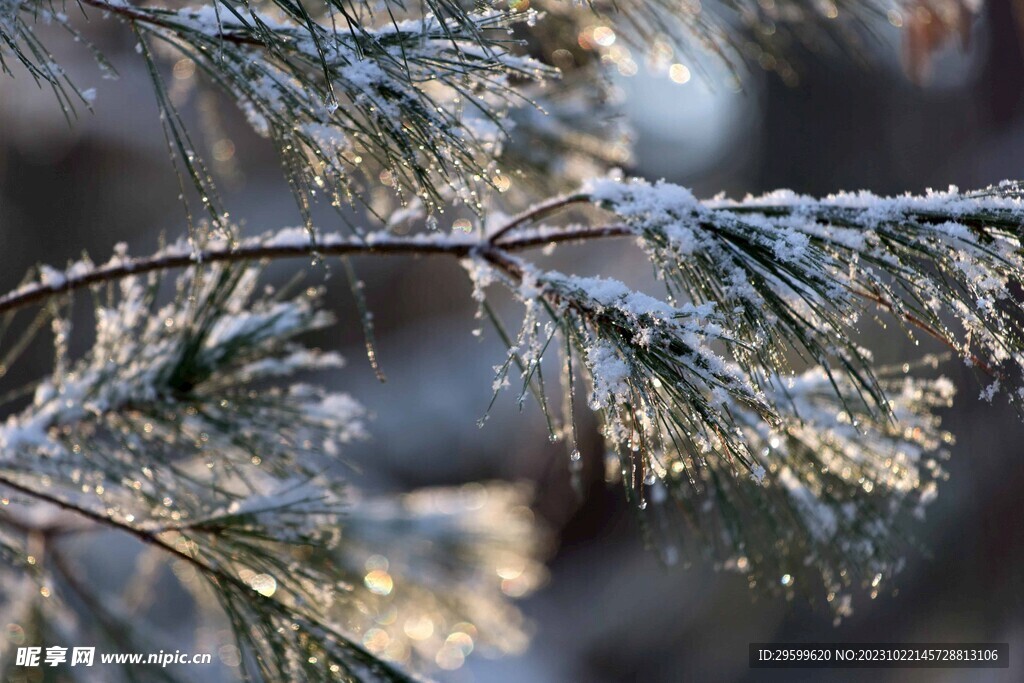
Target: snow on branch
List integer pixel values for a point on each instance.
(160, 427)
(795, 271)
(164, 380)
(711, 428)
(654, 362)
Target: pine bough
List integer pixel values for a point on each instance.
(740, 412)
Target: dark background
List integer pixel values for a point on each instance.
(611, 611)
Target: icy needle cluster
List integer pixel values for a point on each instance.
(643, 353)
(176, 429)
(742, 404)
(20, 46)
(830, 495)
(422, 99)
(162, 379)
(798, 274)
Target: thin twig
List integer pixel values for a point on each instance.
(141, 534)
(538, 239)
(922, 325)
(537, 212)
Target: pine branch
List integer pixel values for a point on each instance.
(740, 410)
(693, 425)
(289, 243)
(422, 100)
(159, 431)
(809, 263)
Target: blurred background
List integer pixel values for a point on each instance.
(610, 610)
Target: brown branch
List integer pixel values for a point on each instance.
(25, 296)
(528, 241)
(536, 212)
(922, 325)
(141, 534)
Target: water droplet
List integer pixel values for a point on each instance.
(576, 471)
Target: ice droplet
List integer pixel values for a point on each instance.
(576, 471)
